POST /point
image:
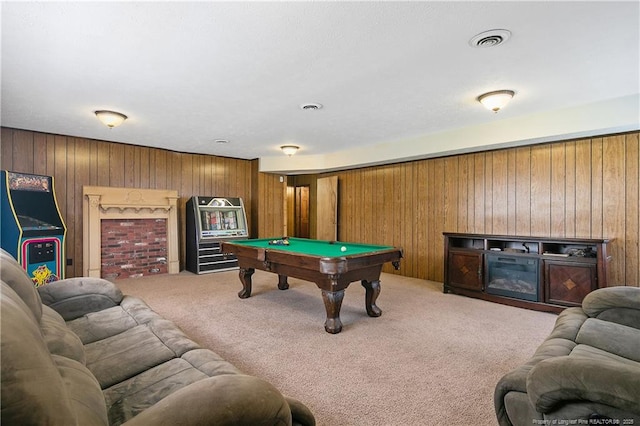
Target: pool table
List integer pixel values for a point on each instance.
(325, 263)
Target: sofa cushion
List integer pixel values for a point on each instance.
(36, 389)
(611, 337)
(132, 396)
(586, 351)
(133, 351)
(99, 325)
(209, 362)
(59, 338)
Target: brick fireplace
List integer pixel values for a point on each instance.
(129, 232)
(133, 247)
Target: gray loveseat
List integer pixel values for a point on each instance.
(587, 371)
(78, 352)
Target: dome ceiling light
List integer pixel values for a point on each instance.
(495, 101)
(289, 149)
(110, 119)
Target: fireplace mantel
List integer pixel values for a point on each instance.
(100, 202)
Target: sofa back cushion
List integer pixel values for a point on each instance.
(17, 278)
(611, 337)
(34, 392)
(59, 338)
(617, 304)
(74, 297)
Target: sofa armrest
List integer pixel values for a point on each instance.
(567, 324)
(555, 381)
(514, 381)
(221, 400)
(300, 413)
(75, 297)
(616, 304)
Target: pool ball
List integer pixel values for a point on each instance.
(343, 248)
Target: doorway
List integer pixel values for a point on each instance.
(302, 212)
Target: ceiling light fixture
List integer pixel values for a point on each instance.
(495, 101)
(289, 149)
(111, 119)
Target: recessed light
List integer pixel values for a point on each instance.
(311, 106)
(222, 141)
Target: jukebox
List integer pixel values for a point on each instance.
(32, 228)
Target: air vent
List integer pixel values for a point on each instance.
(312, 106)
(490, 38)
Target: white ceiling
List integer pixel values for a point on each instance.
(190, 73)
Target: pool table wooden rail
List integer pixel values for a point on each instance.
(324, 265)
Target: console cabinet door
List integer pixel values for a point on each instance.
(567, 283)
(465, 269)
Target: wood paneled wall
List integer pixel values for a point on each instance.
(75, 162)
(271, 205)
(582, 188)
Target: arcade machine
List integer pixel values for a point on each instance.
(32, 228)
(211, 220)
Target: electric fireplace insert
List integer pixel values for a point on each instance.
(512, 276)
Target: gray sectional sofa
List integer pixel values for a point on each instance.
(78, 352)
(587, 371)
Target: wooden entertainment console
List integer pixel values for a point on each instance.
(545, 274)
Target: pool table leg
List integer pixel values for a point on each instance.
(282, 282)
(332, 304)
(372, 291)
(245, 279)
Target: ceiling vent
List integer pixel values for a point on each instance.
(310, 107)
(490, 38)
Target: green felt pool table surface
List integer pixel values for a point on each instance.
(320, 248)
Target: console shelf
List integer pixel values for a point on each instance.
(546, 274)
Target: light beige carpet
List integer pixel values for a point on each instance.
(430, 359)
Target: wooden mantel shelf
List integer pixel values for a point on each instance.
(137, 208)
